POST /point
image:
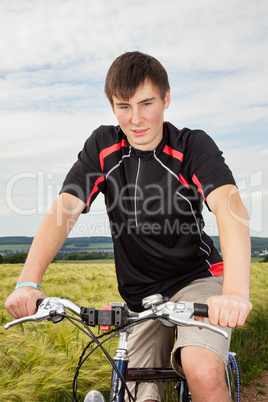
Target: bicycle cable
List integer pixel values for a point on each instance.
(108, 356)
(95, 339)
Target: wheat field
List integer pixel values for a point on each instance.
(38, 360)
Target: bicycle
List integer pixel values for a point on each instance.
(116, 315)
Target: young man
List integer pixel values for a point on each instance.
(154, 178)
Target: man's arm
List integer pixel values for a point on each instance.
(49, 238)
(233, 306)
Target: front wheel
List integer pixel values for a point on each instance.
(232, 378)
(94, 396)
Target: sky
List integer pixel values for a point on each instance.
(54, 55)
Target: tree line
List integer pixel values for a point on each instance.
(20, 258)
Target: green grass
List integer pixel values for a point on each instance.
(38, 360)
(250, 342)
(256, 259)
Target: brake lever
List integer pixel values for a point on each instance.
(200, 324)
(185, 319)
(181, 313)
(48, 309)
(38, 316)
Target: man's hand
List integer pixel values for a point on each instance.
(228, 310)
(22, 302)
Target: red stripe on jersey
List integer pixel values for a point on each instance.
(95, 188)
(216, 269)
(173, 152)
(198, 184)
(183, 181)
(180, 129)
(107, 151)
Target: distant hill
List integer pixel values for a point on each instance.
(69, 240)
(19, 244)
(258, 244)
(98, 243)
(15, 240)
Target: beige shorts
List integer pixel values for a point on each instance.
(151, 344)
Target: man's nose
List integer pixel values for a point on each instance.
(136, 117)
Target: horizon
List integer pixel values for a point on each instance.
(110, 237)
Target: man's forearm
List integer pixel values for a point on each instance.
(232, 307)
(236, 250)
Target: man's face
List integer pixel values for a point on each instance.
(141, 117)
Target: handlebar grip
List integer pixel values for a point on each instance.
(38, 302)
(200, 310)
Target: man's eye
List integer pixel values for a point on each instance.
(147, 103)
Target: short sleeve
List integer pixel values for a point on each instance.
(207, 166)
(85, 179)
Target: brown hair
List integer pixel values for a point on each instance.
(129, 71)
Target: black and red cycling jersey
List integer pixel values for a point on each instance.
(154, 201)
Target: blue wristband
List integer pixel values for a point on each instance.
(32, 284)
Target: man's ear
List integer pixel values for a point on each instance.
(167, 99)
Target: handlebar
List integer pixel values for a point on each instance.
(156, 307)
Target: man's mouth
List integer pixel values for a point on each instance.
(139, 132)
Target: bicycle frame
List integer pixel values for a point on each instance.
(117, 390)
(139, 375)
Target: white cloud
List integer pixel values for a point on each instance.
(205, 35)
(54, 55)
(223, 101)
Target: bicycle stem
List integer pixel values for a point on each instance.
(121, 360)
